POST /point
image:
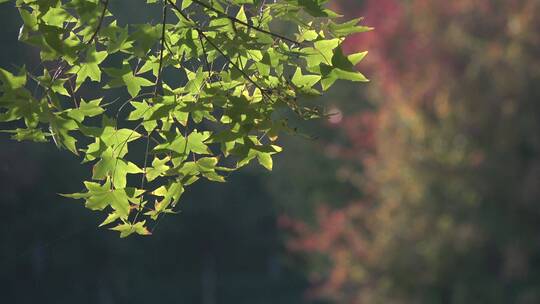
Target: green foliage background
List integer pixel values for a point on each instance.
(446, 163)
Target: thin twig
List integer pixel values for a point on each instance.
(159, 80)
(246, 76)
(205, 57)
(100, 22)
(227, 58)
(158, 86)
(251, 26)
(62, 68)
(203, 35)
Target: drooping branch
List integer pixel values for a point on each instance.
(100, 22)
(198, 131)
(64, 66)
(159, 80)
(205, 55)
(227, 58)
(158, 86)
(251, 26)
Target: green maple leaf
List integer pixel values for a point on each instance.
(89, 68)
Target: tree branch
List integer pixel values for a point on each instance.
(251, 26)
(202, 34)
(62, 68)
(159, 80)
(100, 22)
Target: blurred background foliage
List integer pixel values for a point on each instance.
(447, 164)
(423, 186)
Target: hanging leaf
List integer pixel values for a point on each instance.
(202, 96)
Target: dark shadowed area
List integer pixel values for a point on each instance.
(224, 246)
(422, 187)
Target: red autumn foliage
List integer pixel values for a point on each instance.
(447, 204)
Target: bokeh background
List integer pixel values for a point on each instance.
(424, 187)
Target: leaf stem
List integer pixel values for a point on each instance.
(251, 26)
(159, 80)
